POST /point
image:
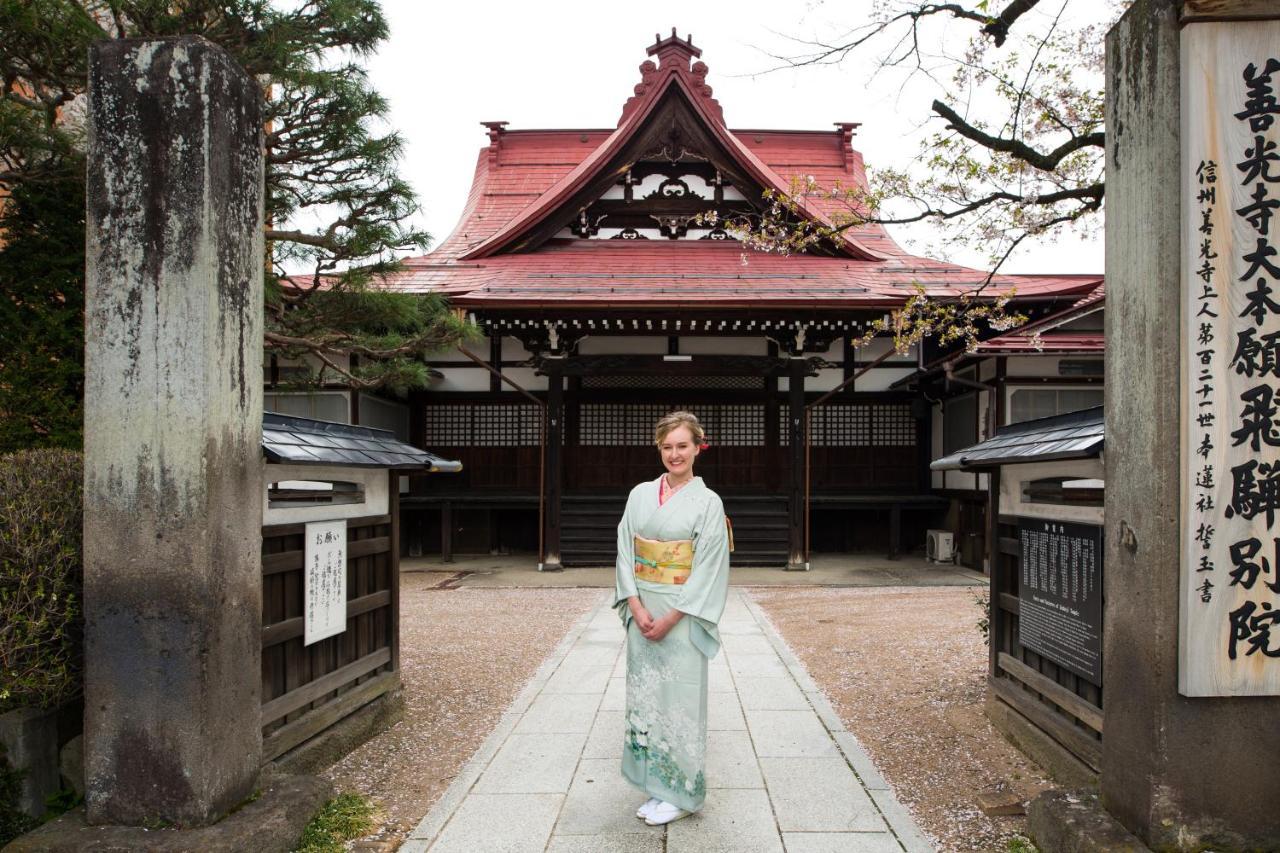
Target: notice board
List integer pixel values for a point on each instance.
(1060, 594)
(325, 580)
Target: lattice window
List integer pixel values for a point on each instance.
(733, 425)
(618, 424)
(631, 424)
(718, 383)
(483, 425)
(859, 425)
(893, 425)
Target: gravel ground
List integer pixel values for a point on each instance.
(906, 669)
(465, 654)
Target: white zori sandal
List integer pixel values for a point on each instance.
(644, 810)
(665, 812)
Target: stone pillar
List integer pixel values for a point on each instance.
(173, 428)
(797, 369)
(1182, 773)
(553, 461)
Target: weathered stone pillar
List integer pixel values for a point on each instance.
(1182, 773)
(173, 420)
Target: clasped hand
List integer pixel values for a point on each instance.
(650, 628)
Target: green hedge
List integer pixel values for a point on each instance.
(41, 578)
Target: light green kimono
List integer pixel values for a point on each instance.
(666, 718)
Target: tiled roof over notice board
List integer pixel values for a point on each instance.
(302, 441)
(1077, 435)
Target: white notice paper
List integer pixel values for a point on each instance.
(324, 578)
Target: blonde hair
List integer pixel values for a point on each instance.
(674, 420)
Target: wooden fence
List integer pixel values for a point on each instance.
(1062, 704)
(307, 689)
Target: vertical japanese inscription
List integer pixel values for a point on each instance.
(324, 578)
(1229, 638)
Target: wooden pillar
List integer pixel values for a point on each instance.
(446, 532)
(553, 460)
(797, 559)
(495, 359)
(895, 529)
(772, 436)
(393, 509)
(995, 574)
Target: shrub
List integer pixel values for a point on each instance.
(983, 601)
(41, 577)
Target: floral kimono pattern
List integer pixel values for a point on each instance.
(664, 752)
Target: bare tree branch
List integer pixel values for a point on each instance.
(998, 28)
(1045, 162)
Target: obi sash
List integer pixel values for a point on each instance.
(660, 561)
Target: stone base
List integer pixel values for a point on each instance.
(1075, 822)
(273, 823)
(339, 739)
(1056, 759)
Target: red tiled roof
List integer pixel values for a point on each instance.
(1076, 343)
(1051, 338)
(524, 175)
(686, 273)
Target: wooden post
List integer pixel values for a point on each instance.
(772, 437)
(495, 359)
(393, 508)
(895, 529)
(553, 451)
(995, 616)
(446, 531)
(797, 367)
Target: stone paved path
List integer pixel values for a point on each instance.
(782, 774)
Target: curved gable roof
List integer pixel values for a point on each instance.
(659, 83)
(526, 181)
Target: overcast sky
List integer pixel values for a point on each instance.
(569, 63)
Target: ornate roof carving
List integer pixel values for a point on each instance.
(674, 53)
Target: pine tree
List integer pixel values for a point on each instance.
(336, 210)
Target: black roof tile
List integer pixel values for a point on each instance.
(289, 439)
(1077, 435)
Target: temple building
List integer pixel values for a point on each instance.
(604, 299)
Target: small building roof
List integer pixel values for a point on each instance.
(1076, 435)
(292, 440)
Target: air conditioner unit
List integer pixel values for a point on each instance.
(940, 546)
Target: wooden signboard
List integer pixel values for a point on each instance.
(325, 581)
(1229, 638)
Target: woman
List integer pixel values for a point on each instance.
(672, 581)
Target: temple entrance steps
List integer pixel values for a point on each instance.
(589, 529)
